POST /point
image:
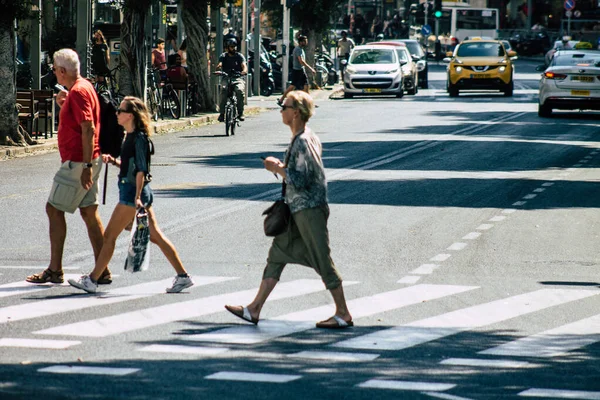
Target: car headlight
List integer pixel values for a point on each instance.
(502, 68)
(420, 65)
(458, 69)
(350, 70)
(393, 71)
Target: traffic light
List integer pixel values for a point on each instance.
(437, 8)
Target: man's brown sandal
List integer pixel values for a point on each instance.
(47, 276)
(105, 278)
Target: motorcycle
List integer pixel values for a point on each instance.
(267, 81)
(326, 72)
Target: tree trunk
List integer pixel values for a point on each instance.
(133, 52)
(315, 40)
(9, 134)
(47, 17)
(194, 14)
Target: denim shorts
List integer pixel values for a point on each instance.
(127, 194)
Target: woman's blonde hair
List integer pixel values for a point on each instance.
(141, 117)
(304, 103)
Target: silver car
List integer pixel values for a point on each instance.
(572, 81)
(373, 70)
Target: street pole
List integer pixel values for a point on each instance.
(257, 69)
(244, 40)
(83, 36)
(285, 71)
(36, 46)
(529, 13)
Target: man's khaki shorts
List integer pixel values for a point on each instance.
(67, 194)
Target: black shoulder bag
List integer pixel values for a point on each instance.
(277, 217)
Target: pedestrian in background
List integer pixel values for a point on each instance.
(159, 59)
(299, 78)
(100, 56)
(134, 192)
(306, 241)
(344, 47)
(75, 184)
(183, 53)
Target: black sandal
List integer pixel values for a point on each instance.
(47, 276)
(105, 278)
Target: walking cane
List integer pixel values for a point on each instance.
(104, 188)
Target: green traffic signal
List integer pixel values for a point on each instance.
(437, 14)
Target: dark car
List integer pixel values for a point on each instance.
(418, 55)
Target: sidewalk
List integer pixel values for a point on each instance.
(256, 104)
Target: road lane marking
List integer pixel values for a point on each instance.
(497, 218)
(530, 196)
(548, 184)
(37, 343)
(434, 328)
(46, 308)
(252, 377)
(34, 267)
(519, 203)
(179, 349)
(334, 356)
(409, 279)
(425, 269)
(560, 394)
(474, 362)
(553, 342)
(154, 316)
(406, 385)
(457, 246)
(471, 236)
(484, 227)
(445, 396)
(539, 190)
(304, 320)
(74, 369)
(440, 257)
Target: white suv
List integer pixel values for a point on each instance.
(373, 70)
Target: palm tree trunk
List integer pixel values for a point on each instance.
(133, 56)
(8, 122)
(194, 15)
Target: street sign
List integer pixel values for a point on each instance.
(569, 13)
(569, 5)
(577, 13)
(426, 30)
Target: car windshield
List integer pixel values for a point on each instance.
(402, 54)
(414, 49)
(482, 49)
(576, 59)
(373, 56)
(506, 44)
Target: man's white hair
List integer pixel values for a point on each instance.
(67, 59)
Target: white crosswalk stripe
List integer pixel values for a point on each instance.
(154, 316)
(553, 342)
(303, 320)
(22, 287)
(46, 308)
(429, 329)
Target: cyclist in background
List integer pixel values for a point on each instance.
(232, 62)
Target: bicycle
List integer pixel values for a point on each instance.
(230, 113)
(153, 95)
(108, 84)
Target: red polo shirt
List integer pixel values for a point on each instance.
(81, 105)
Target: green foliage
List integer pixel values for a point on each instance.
(15, 9)
(274, 10)
(314, 15)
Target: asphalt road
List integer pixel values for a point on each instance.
(466, 230)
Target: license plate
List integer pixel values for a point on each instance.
(580, 92)
(372, 90)
(583, 78)
(481, 76)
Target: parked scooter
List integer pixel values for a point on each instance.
(326, 72)
(267, 81)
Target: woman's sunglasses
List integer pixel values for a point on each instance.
(284, 107)
(120, 110)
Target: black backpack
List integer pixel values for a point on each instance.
(111, 133)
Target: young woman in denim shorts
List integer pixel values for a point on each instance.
(134, 192)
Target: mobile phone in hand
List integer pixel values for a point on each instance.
(60, 88)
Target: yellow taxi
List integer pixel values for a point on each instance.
(480, 65)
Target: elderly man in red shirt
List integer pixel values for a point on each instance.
(76, 182)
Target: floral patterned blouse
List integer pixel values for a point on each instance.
(305, 175)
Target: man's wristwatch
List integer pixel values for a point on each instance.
(88, 165)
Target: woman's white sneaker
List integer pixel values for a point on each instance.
(180, 283)
(84, 283)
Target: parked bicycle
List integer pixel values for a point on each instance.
(231, 113)
(109, 83)
(162, 97)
